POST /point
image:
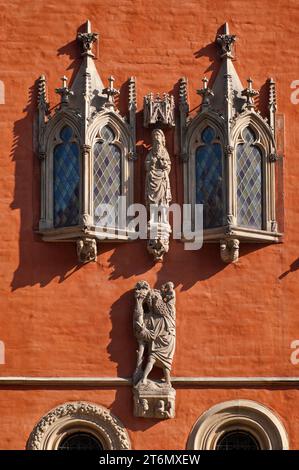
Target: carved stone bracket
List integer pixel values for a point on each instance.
(156, 400)
(86, 250)
(229, 250)
(158, 110)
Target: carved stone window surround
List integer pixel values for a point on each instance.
(245, 415)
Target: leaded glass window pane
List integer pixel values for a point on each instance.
(80, 441)
(107, 175)
(66, 180)
(209, 179)
(237, 440)
(249, 182)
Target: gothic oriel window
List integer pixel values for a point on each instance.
(230, 155)
(87, 149)
(208, 161)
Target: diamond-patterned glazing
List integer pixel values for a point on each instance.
(249, 183)
(107, 176)
(66, 181)
(209, 179)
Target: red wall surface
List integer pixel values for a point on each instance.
(62, 319)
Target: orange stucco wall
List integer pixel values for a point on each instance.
(61, 319)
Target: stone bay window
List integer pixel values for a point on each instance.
(229, 155)
(87, 151)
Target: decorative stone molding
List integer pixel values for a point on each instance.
(227, 108)
(158, 195)
(154, 327)
(158, 110)
(79, 417)
(229, 250)
(87, 107)
(247, 415)
(86, 250)
(154, 400)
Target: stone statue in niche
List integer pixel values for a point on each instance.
(154, 328)
(158, 195)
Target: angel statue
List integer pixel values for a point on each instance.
(154, 327)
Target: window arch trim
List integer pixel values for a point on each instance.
(241, 414)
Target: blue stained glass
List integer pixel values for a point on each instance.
(107, 176)
(249, 182)
(66, 181)
(208, 163)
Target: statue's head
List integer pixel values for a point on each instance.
(158, 137)
(142, 289)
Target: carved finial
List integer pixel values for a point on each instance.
(132, 94)
(183, 94)
(87, 39)
(226, 42)
(206, 93)
(249, 93)
(272, 104)
(64, 91)
(42, 101)
(110, 91)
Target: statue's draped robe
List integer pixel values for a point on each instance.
(160, 325)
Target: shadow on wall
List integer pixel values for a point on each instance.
(293, 267)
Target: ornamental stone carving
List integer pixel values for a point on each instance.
(158, 110)
(55, 425)
(229, 250)
(158, 195)
(155, 328)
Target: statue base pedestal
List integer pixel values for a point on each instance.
(156, 399)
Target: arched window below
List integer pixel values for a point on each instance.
(208, 162)
(79, 426)
(80, 441)
(237, 440)
(66, 180)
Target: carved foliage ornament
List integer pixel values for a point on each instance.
(109, 429)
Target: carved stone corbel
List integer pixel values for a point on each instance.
(86, 250)
(229, 250)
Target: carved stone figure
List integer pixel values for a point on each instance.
(158, 194)
(158, 165)
(229, 250)
(86, 250)
(154, 328)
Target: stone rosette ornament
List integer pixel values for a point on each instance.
(155, 330)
